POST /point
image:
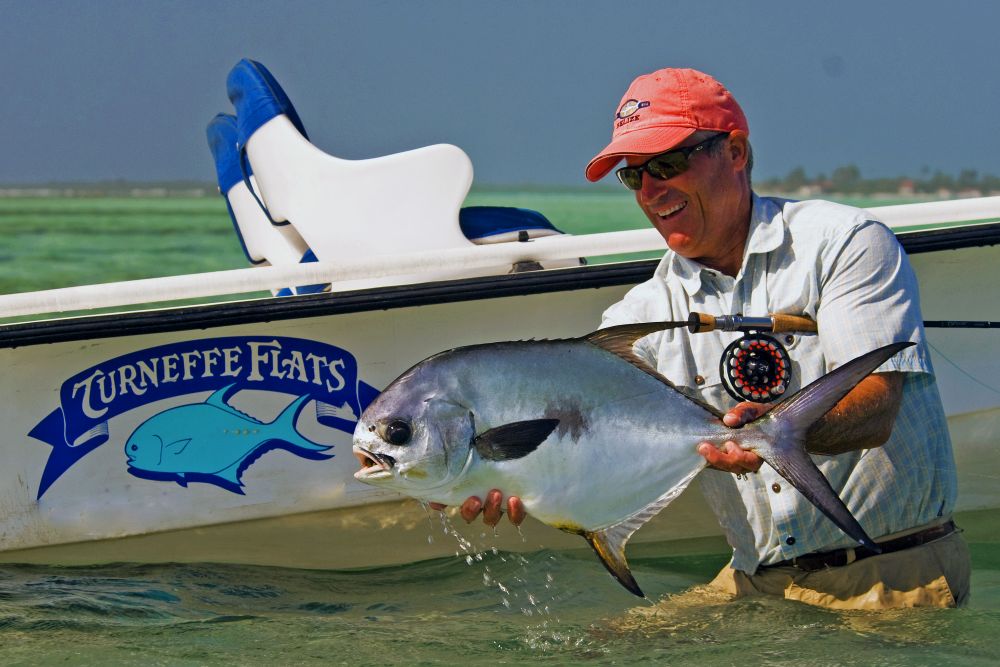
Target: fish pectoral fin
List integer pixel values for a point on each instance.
(514, 440)
(610, 547)
(798, 468)
(177, 446)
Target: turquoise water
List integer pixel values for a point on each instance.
(550, 608)
(545, 607)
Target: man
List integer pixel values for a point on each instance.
(885, 447)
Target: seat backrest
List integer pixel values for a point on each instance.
(262, 242)
(406, 202)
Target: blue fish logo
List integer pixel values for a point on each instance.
(213, 442)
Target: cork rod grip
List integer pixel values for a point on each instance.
(700, 323)
(792, 324)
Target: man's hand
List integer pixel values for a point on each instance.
(731, 458)
(491, 509)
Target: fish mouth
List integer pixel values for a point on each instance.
(373, 466)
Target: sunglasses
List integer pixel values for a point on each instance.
(663, 166)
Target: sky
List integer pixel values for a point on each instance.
(109, 89)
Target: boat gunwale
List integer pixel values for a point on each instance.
(255, 311)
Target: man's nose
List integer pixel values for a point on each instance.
(652, 187)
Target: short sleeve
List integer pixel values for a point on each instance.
(869, 298)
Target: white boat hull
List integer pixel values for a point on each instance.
(287, 509)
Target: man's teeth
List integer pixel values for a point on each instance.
(672, 210)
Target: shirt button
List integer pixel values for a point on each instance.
(789, 540)
(699, 380)
(776, 487)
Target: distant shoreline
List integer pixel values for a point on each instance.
(195, 190)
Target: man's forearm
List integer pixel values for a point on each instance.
(861, 420)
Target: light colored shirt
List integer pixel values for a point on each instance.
(839, 266)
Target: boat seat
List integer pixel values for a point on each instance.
(484, 225)
(406, 202)
(263, 243)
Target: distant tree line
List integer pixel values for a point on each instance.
(848, 180)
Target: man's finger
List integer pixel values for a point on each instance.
(515, 510)
(744, 413)
(743, 459)
(440, 507)
(492, 510)
(471, 508)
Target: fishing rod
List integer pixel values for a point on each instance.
(757, 367)
(781, 323)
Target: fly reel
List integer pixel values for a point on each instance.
(755, 368)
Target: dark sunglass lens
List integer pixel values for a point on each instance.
(631, 177)
(667, 166)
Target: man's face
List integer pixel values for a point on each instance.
(703, 213)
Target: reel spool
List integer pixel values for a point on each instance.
(755, 368)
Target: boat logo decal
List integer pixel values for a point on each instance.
(206, 439)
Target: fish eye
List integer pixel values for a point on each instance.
(397, 432)
(134, 447)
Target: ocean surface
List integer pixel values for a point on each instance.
(479, 607)
(483, 607)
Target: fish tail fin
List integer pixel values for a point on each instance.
(285, 424)
(791, 420)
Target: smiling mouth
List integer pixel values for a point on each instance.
(372, 464)
(672, 211)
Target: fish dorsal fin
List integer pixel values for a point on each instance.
(619, 341)
(218, 400)
(609, 543)
(514, 440)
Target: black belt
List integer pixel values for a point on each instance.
(824, 559)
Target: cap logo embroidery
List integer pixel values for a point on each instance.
(630, 107)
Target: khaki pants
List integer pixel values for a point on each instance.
(935, 574)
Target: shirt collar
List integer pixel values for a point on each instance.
(766, 234)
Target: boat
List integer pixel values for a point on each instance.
(112, 417)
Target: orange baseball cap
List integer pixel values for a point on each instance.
(662, 109)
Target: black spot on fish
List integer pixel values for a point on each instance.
(571, 419)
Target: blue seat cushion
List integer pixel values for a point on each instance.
(479, 222)
(258, 97)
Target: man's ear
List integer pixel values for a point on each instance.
(738, 148)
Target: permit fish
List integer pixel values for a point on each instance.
(212, 441)
(593, 439)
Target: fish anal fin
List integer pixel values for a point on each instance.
(610, 542)
(610, 548)
(514, 440)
